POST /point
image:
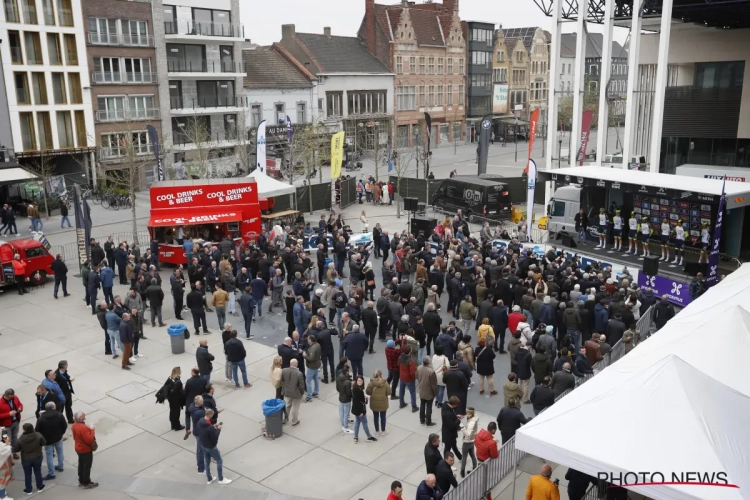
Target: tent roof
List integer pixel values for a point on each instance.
(269, 187)
(666, 403)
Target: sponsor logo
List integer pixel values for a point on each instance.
(567, 178)
(472, 195)
(615, 185)
(686, 194)
(196, 219)
(721, 177)
(601, 183)
(485, 124)
(580, 180)
(643, 189)
(250, 221)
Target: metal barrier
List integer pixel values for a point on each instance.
(69, 251)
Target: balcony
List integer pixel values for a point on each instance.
(120, 152)
(126, 115)
(207, 105)
(118, 77)
(204, 68)
(190, 31)
(120, 40)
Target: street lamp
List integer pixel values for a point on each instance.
(559, 153)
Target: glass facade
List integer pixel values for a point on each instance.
(678, 151)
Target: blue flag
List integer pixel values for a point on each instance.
(288, 129)
(713, 257)
(390, 159)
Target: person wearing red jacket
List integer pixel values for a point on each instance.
(486, 446)
(392, 352)
(396, 491)
(407, 376)
(514, 318)
(19, 271)
(10, 415)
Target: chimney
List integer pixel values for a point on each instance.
(370, 25)
(287, 31)
(450, 5)
(327, 31)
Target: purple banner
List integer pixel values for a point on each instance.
(713, 257)
(677, 292)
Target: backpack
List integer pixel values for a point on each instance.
(163, 393)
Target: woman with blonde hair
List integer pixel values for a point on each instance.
(275, 377)
(485, 332)
(379, 391)
(176, 398)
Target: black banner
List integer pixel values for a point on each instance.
(82, 240)
(485, 134)
(428, 122)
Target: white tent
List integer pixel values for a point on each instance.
(269, 187)
(675, 404)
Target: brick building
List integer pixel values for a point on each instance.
(424, 45)
(124, 86)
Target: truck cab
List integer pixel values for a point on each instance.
(34, 252)
(566, 202)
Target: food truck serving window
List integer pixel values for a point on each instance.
(189, 217)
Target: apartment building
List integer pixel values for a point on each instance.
(46, 75)
(424, 46)
(200, 73)
(528, 68)
(500, 69)
(124, 84)
(479, 51)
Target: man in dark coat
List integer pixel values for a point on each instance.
(432, 453)
(44, 396)
(287, 353)
(61, 275)
(52, 426)
(451, 423)
(65, 381)
(156, 300)
(499, 320)
(370, 324)
(196, 304)
(444, 473)
(457, 385)
(431, 321)
(194, 386)
(326, 350)
(355, 346)
(663, 312)
(510, 419)
(615, 329)
(203, 359)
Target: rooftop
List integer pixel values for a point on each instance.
(525, 34)
(266, 67)
(594, 44)
(340, 54)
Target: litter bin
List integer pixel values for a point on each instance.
(177, 338)
(273, 410)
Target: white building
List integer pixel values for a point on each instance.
(47, 80)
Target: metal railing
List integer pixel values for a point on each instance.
(69, 251)
(204, 29)
(207, 102)
(121, 115)
(203, 66)
(116, 77)
(109, 153)
(118, 39)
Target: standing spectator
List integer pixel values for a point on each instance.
(209, 439)
(432, 453)
(126, 338)
(313, 362)
(511, 389)
(541, 364)
(52, 426)
(392, 353)
(10, 415)
(344, 388)
(30, 445)
(355, 346)
(542, 396)
(107, 277)
(484, 358)
(156, 300)
(456, 384)
(440, 364)
(65, 382)
(247, 307)
(44, 396)
(379, 392)
(427, 385)
(195, 412)
(203, 358)
(194, 386)
(51, 385)
(469, 436)
(370, 324)
(359, 409)
(196, 303)
(19, 273)
(397, 489)
(175, 398)
(451, 424)
(220, 300)
(61, 275)
(562, 380)
(509, 420)
(663, 312)
(486, 446)
(523, 368)
(276, 381)
(293, 388)
(407, 378)
(444, 473)
(467, 313)
(541, 486)
(84, 437)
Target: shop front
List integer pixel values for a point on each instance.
(204, 212)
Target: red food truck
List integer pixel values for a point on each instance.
(34, 252)
(204, 211)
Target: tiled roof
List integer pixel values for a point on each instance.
(594, 42)
(424, 20)
(340, 54)
(266, 67)
(525, 34)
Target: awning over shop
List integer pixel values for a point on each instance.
(15, 174)
(197, 216)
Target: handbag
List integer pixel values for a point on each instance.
(94, 446)
(186, 334)
(371, 283)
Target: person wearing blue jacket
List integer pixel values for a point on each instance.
(499, 318)
(113, 329)
(448, 343)
(355, 347)
(258, 289)
(54, 387)
(247, 307)
(547, 313)
(197, 412)
(601, 317)
(94, 282)
(107, 277)
(299, 307)
(428, 489)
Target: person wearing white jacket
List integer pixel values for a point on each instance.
(470, 434)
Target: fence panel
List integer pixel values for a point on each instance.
(415, 188)
(321, 197)
(347, 194)
(473, 487)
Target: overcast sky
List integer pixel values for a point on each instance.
(263, 19)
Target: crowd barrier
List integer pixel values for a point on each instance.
(482, 480)
(69, 251)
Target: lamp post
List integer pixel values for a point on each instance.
(559, 153)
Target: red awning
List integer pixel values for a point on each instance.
(166, 218)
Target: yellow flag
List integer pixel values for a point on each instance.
(337, 154)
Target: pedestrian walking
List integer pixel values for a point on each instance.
(220, 300)
(510, 419)
(344, 388)
(293, 388)
(51, 425)
(380, 393)
(30, 445)
(247, 307)
(359, 409)
(209, 439)
(469, 436)
(61, 275)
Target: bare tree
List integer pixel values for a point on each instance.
(384, 135)
(45, 168)
(197, 131)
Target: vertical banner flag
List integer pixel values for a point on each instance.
(530, 188)
(81, 242)
(87, 225)
(153, 136)
(588, 117)
(260, 147)
(337, 154)
(713, 257)
(533, 124)
(289, 129)
(483, 148)
(428, 123)
(390, 158)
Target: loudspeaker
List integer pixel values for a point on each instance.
(423, 224)
(651, 266)
(693, 268)
(411, 204)
(568, 241)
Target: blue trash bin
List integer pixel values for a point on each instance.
(273, 410)
(177, 338)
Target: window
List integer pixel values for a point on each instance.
(440, 67)
(461, 66)
(29, 11)
(421, 65)
(333, 103)
(213, 94)
(137, 34)
(593, 86)
(406, 98)
(16, 53)
(141, 107)
(11, 12)
(71, 51)
(212, 22)
(301, 112)
(74, 82)
(110, 109)
(64, 13)
(65, 130)
(45, 131)
(58, 88)
(28, 134)
(431, 95)
(439, 94)
(431, 66)
(280, 111)
(138, 70)
(449, 95)
(519, 56)
(39, 88)
(422, 95)
(399, 65)
(593, 70)
(320, 104)
(49, 13)
(81, 138)
(53, 49)
(187, 58)
(413, 65)
(22, 88)
(107, 70)
(719, 75)
(500, 56)
(118, 144)
(450, 66)
(460, 95)
(230, 127)
(103, 31)
(33, 48)
(256, 114)
(481, 58)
